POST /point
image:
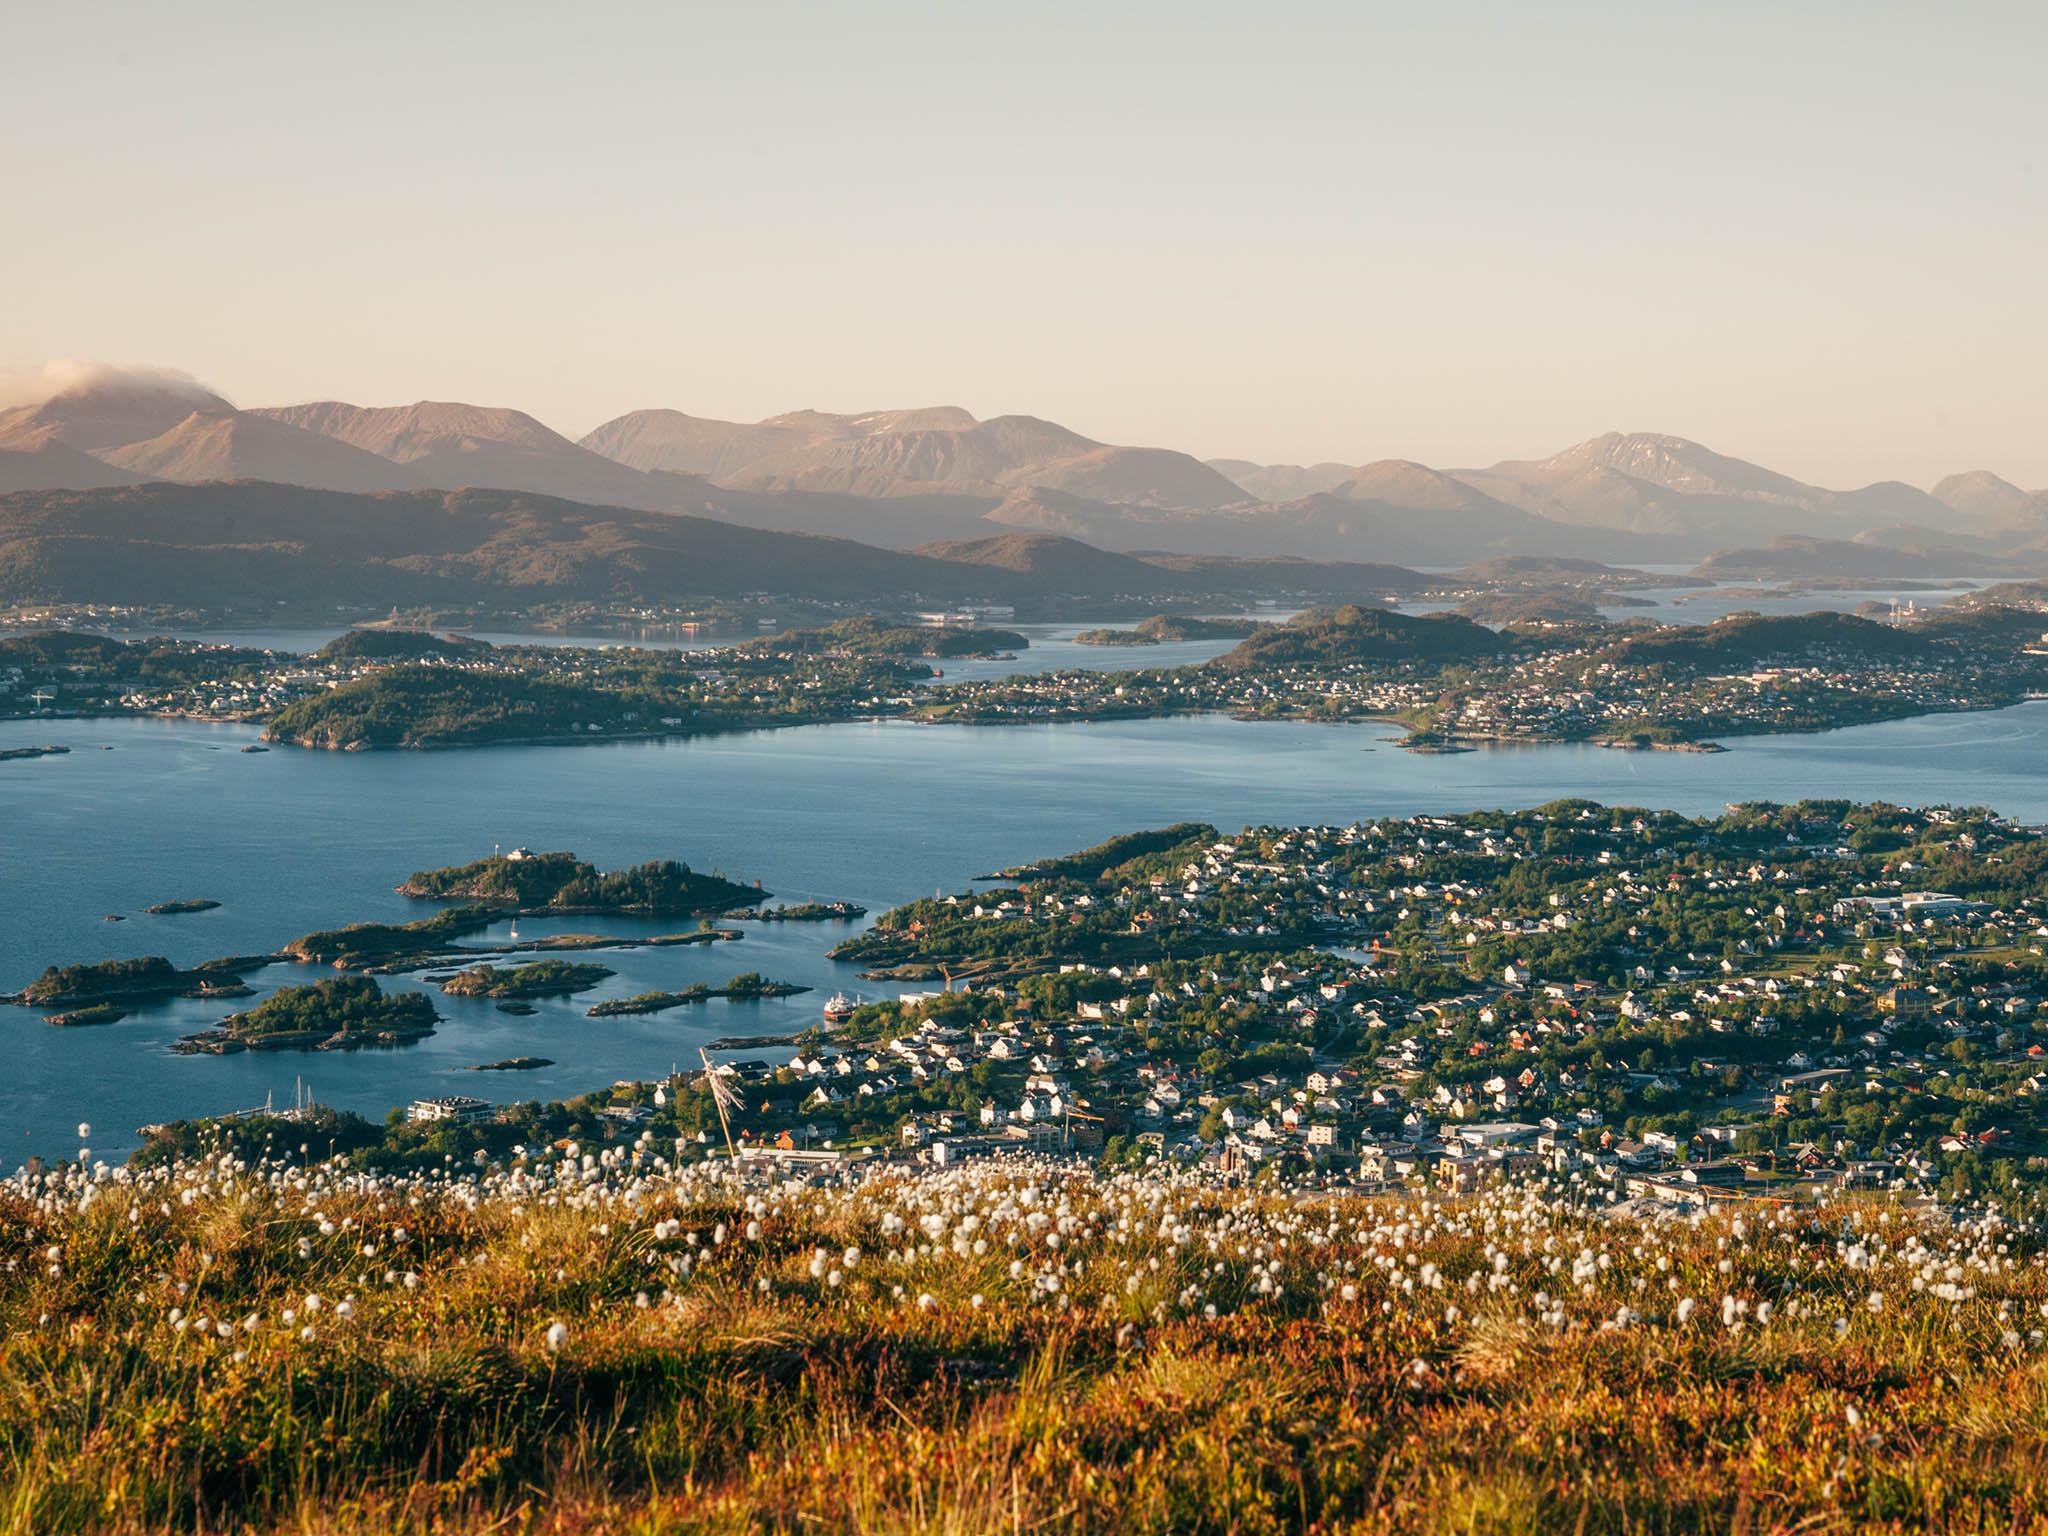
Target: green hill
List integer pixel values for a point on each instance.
(398, 645)
(1333, 636)
(1749, 638)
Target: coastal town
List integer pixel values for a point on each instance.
(1681, 1011)
(1630, 686)
(1671, 1013)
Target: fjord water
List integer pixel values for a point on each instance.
(288, 841)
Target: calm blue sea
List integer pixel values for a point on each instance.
(287, 841)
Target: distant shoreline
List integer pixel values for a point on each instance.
(1454, 744)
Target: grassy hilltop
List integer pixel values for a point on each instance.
(610, 1343)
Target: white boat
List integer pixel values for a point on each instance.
(838, 1010)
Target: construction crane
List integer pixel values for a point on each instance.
(723, 1098)
(1068, 1115)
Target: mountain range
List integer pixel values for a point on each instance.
(907, 453)
(910, 477)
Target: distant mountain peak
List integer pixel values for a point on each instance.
(932, 418)
(1405, 483)
(1282, 482)
(450, 443)
(102, 407)
(925, 450)
(404, 432)
(1675, 463)
(242, 445)
(1992, 501)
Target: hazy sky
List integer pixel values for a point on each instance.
(1813, 235)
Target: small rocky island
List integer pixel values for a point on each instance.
(749, 985)
(543, 978)
(1115, 637)
(866, 636)
(342, 1013)
(180, 908)
(145, 979)
(539, 884)
(802, 912)
(92, 1013)
(1163, 627)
